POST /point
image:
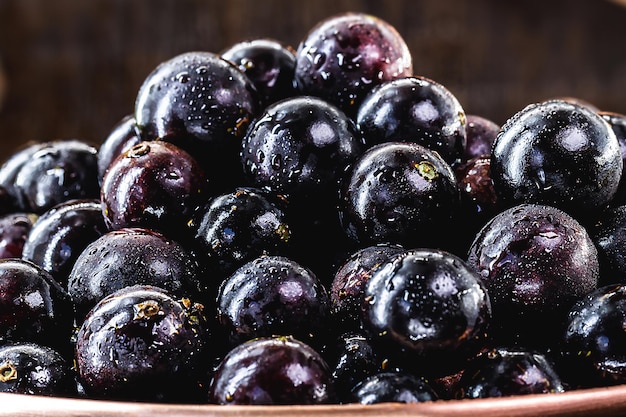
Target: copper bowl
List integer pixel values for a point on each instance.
(610, 401)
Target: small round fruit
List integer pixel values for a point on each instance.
(14, 231)
(141, 344)
(393, 387)
(30, 368)
(132, 256)
(345, 55)
(429, 307)
(272, 371)
(557, 153)
(154, 185)
(59, 171)
(399, 192)
(123, 136)
(269, 64)
(480, 134)
(60, 235)
(274, 295)
(505, 372)
(414, 109)
(535, 261)
(203, 104)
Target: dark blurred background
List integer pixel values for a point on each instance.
(72, 68)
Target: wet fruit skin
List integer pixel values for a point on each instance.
(29, 368)
(480, 134)
(393, 387)
(12, 166)
(60, 170)
(617, 121)
(535, 261)
(342, 57)
(300, 146)
(269, 64)
(414, 109)
(504, 372)
(61, 233)
(123, 136)
(398, 192)
(429, 308)
(351, 359)
(261, 372)
(239, 226)
(347, 289)
(131, 256)
(141, 344)
(14, 230)
(274, 295)
(154, 185)
(33, 306)
(557, 153)
(609, 235)
(594, 340)
(203, 104)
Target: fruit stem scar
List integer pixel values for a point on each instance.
(8, 372)
(426, 170)
(146, 309)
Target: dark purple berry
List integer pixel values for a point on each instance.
(535, 261)
(239, 226)
(203, 104)
(480, 134)
(557, 153)
(123, 136)
(61, 233)
(429, 308)
(344, 56)
(414, 109)
(29, 368)
(506, 372)
(56, 172)
(393, 387)
(154, 185)
(269, 64)
(399, 192)
(274, 295)
(133, 256)
(141, 344)
(272, 371)
(14, 231)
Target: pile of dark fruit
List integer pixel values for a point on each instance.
(320, 225)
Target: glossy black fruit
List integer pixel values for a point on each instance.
(557, 153)
(269, 64)
(414, 109)
(342, 57)
(123, 136)
(272, 371)
(29, 368)
(535, 261)
(33, 306)
(274, 295)
(609, 235)
(239, 226)
(203, 104)
(594, 341)
(60, 235)
(504, 372)
(480, 134)
(429, 308)
(399, 192)
(300, 146)
(347, 289)
(141, 344)
(133, 256)
(56, 172)
(154, 185)
(14, 231)
(393, 387)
